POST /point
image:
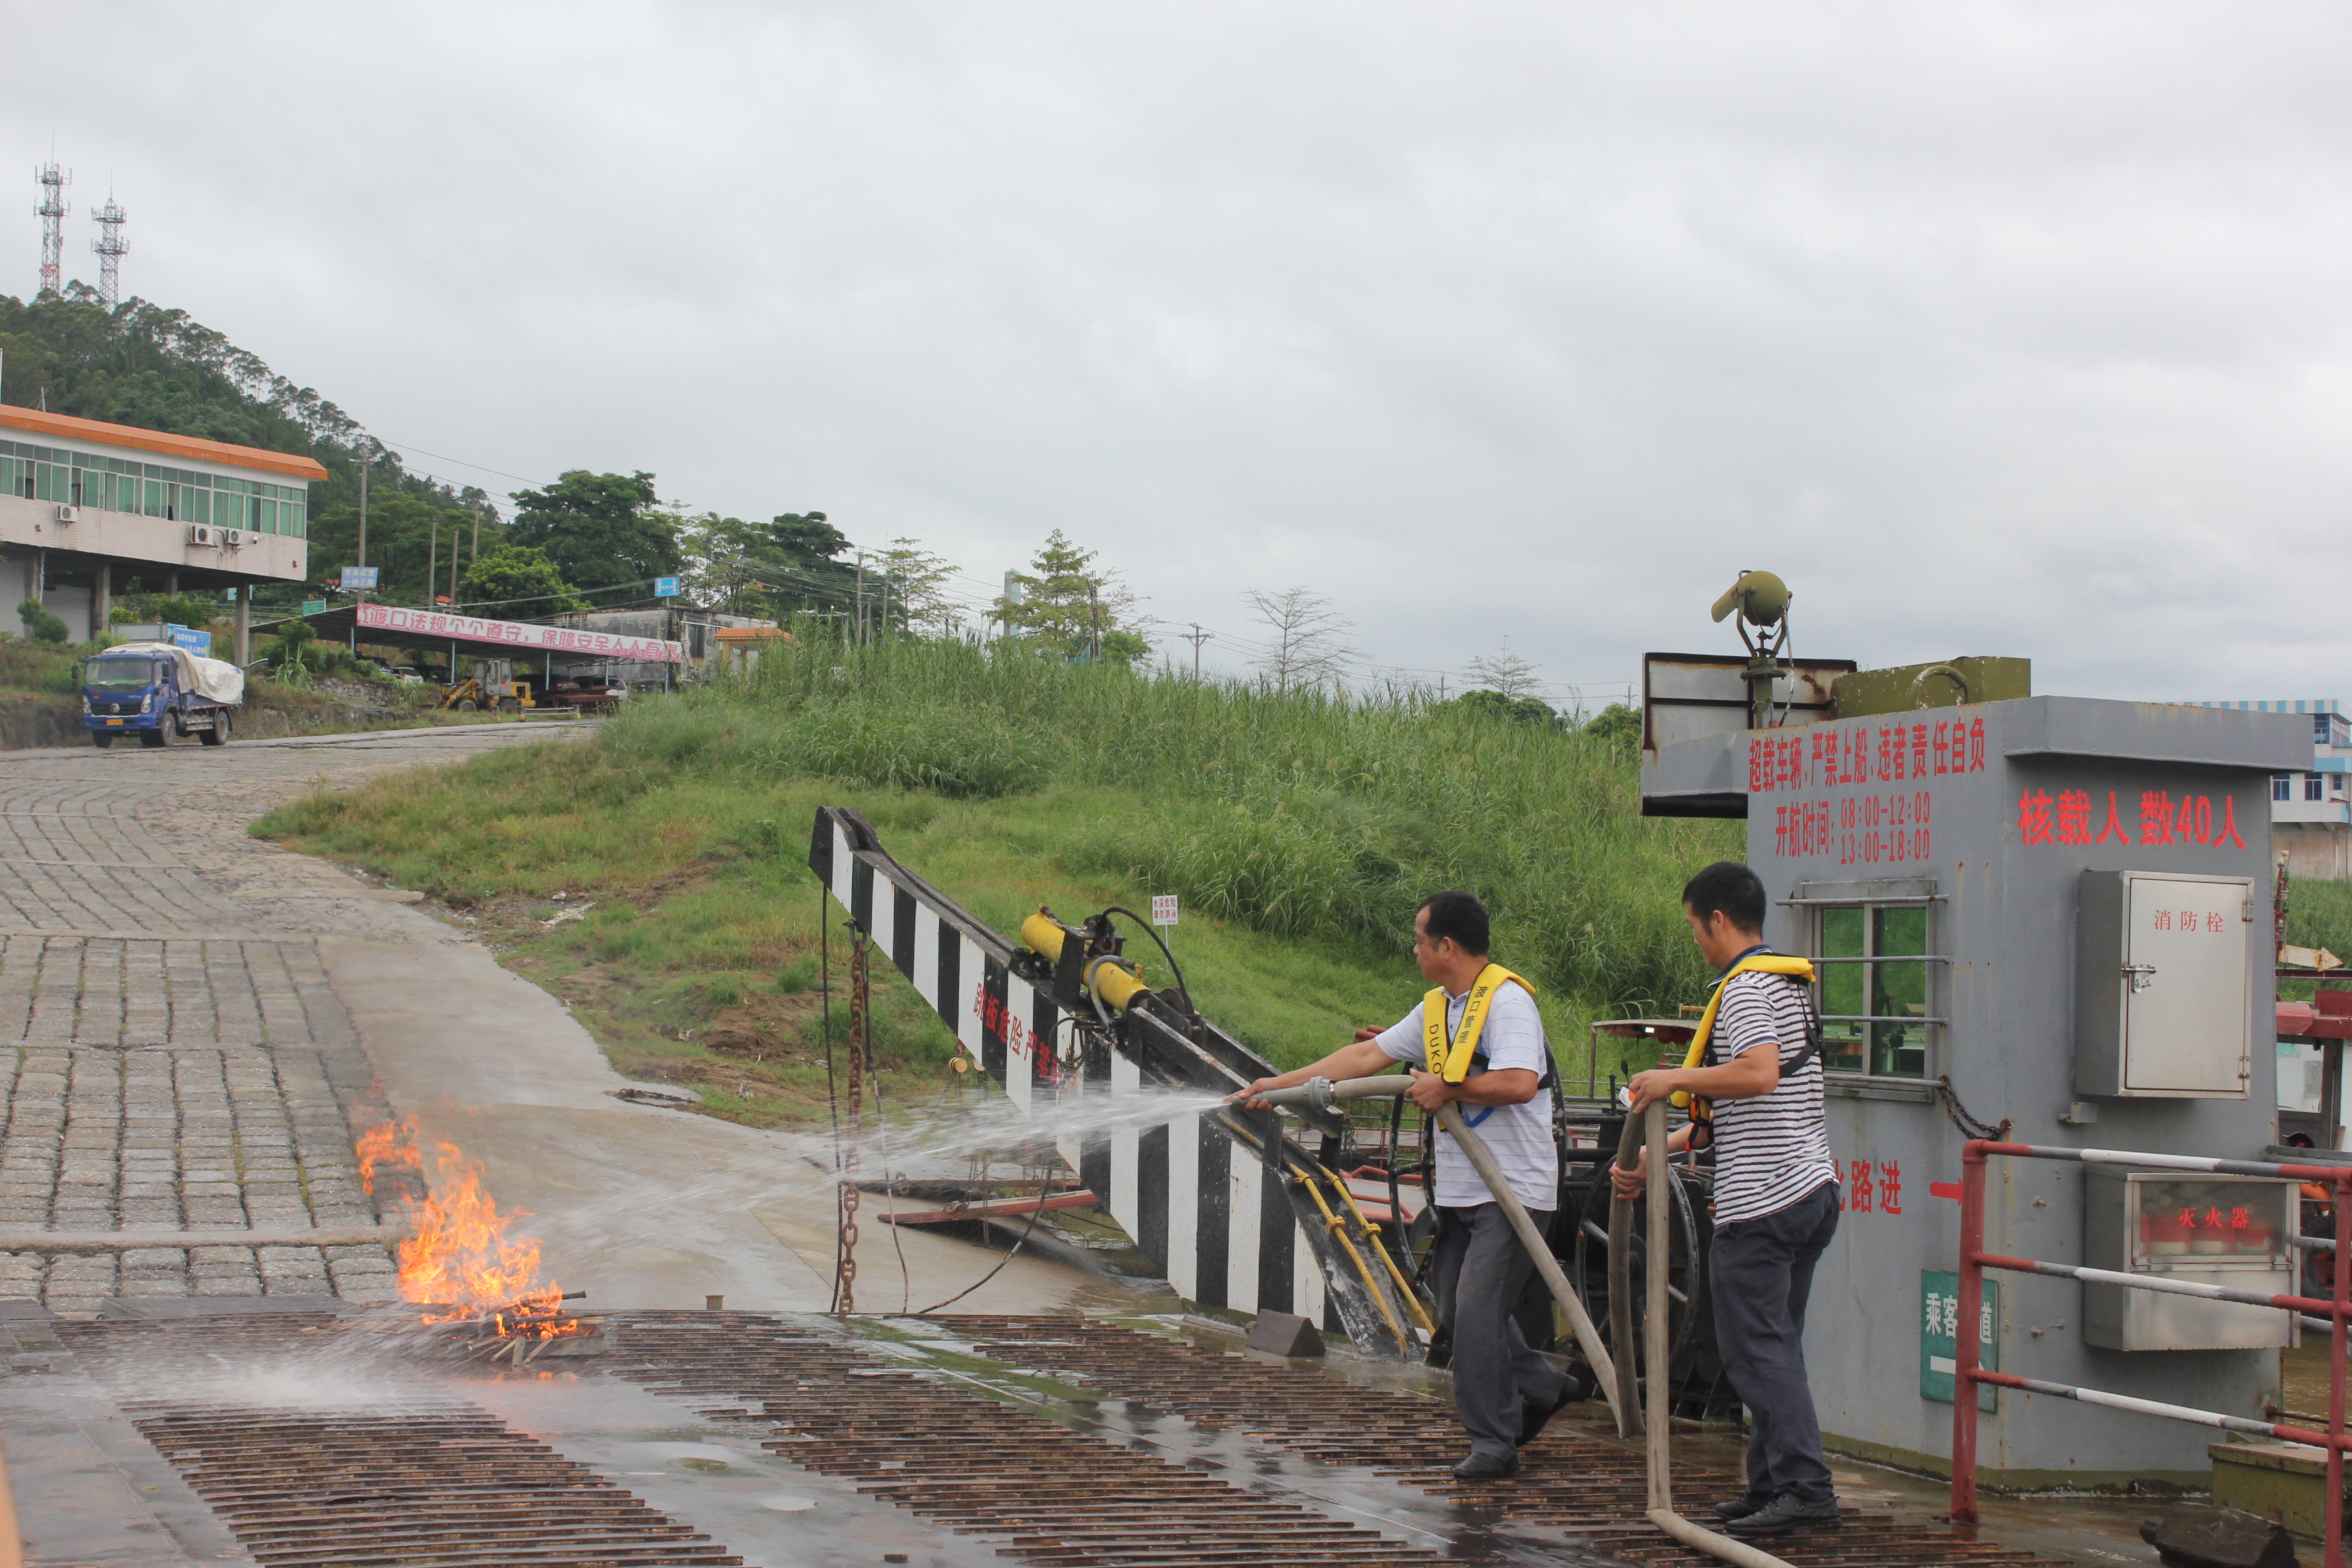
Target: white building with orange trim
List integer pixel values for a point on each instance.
(86, 506)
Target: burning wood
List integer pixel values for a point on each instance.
(473, 1280)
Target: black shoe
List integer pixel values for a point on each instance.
(1534, 1418)
(1740, 1507)
(1786, 1514)
(1487, 1468)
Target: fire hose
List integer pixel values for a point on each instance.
(1618, 1381)
(1650, 1126)
(1322, 1093)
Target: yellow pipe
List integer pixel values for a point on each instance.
(1113, 981)
(1338, 1227)
(1412, 1297)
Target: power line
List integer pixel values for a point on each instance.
(478, 467)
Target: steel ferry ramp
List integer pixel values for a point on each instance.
(343, 1439)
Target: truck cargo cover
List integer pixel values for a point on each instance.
(212, 677)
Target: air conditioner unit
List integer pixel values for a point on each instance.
(230, 539)
(68, 514)
(199, 534)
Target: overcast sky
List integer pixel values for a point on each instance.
(1994, 329)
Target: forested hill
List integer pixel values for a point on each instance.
(145, 366)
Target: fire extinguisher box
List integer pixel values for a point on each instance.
(2206, 1229)
(2163, 985)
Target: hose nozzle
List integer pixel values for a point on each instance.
(1314, 1095)
(1318, 1094)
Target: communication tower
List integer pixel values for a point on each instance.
(112, 248)
(53, 183)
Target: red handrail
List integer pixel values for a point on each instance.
(1975, 1260)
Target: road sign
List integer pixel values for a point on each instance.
(665, 587)
(312, 606)
(1939, 1342)
(1163, 909)
(188, 637)
(359, 579)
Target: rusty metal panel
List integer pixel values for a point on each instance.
(1688, 695)
(1950, 684)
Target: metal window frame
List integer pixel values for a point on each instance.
(1936, 1024)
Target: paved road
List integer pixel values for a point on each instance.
(194, 1025)
(178, 1058)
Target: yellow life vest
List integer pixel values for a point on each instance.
(1450, 1060)
(1700, 1108)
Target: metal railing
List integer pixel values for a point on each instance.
(1975, 1260)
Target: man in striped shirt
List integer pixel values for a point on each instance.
(1776, 1200)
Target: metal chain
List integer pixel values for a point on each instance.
(860, 1023)
(1963, 1120)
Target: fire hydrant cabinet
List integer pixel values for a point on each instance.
(2163, 984)
(2042, 903)
(2233, 1231)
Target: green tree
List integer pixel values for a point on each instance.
(1501, 705)
(913, 584)
(1616, 724)
(802, 552)
(1066, 602)
(408, 537)
(784, 566)
(516, 582)
(601, 530)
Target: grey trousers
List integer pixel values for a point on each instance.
(1761, 1271)
(1479, 1270)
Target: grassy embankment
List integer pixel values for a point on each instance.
(1300, 831)
(40, 706)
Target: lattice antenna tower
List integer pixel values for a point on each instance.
(112, 248)
(53, 182)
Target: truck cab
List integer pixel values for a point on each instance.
(141, 693)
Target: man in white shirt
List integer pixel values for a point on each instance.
(1490, 1044)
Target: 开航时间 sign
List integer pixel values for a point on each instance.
(520, 635)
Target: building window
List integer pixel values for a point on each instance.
(2281, 786)
(2311, 789)
(1873, 991)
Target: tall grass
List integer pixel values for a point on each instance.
(1292, 812)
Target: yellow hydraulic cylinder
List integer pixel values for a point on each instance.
(1107, 978)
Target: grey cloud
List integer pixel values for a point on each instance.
(1994, 328)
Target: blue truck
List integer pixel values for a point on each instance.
(159, 692)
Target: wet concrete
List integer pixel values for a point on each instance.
(640, 1204)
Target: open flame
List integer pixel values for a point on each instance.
(458, 1260)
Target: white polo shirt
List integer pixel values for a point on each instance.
(1519, 1136)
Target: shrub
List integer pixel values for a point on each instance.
(40, 625)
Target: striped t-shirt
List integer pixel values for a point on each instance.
(1773, 1149)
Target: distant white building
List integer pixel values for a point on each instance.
(2311, 812)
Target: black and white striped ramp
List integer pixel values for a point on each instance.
(1216, 1223)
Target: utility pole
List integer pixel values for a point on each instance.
(364, 476)
(1094, 625)
(861, 595)
(432, 559)
(453, 563)
(1196, 637)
